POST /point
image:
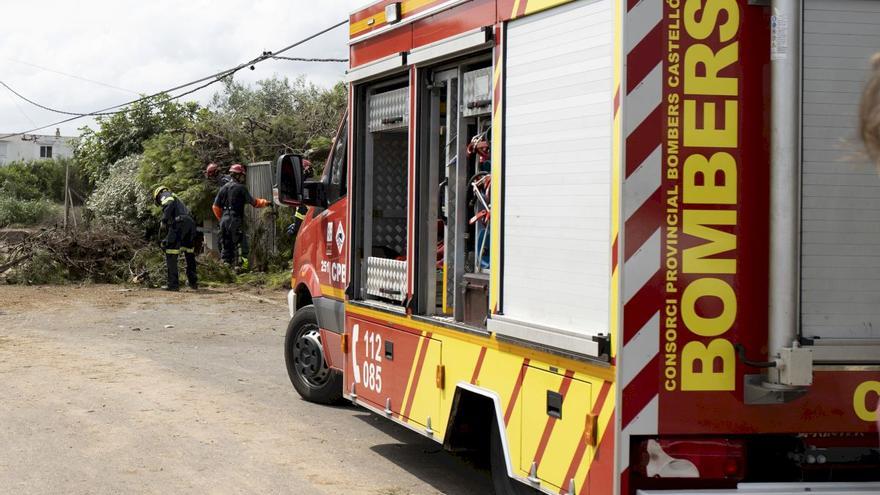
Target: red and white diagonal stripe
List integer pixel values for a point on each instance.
(642, 125)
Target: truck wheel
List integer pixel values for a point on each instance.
(306, 366)
(504, 485)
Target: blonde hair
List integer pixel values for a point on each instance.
(869, 112)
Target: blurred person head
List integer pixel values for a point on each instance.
(869, 112)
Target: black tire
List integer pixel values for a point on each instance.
(504, 485)
(306, 367)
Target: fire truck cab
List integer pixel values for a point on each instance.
(619, 246)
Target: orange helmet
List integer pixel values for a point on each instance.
(212, 169)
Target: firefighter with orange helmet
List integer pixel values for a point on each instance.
(229, 209)
(212, 173)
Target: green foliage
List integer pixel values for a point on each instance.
(41, 269)
(120, 201)
(25, 212)
(278, 116)
(276, 280)
(40, 179)
(170, 161)
(241, 125)
(213, 271)
(163, 142)
(124, 134)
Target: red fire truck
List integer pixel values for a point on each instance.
(618, 246)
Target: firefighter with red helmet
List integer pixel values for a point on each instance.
(218, 179)
(229, 209)
(212, 173)
(180, 238)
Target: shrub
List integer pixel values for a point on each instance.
(40, 179)
(25, 212)
(120, 201)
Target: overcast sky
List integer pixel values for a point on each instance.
(139, 46)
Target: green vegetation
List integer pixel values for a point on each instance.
(40, 179)
(155, 142)
(30, 191)
(23, 213)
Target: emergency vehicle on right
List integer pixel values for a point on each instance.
(617, 246)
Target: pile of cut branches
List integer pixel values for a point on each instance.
(55, 255)
(100, 255)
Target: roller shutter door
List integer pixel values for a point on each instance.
(557, 169)
(840, 290)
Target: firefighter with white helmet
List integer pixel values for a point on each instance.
(229, 209)
(180, 237)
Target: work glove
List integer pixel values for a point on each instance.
(291, 230)
(261, 203)
(163, 244)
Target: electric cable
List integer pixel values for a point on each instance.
(86, 79)
(44, 107)
(20, 110)
(213, 78)
(303, 59)
(102, 111)
(741, 352)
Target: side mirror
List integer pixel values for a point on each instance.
(288, 190)
(291, 186)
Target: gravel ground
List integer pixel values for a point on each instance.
(111, 390)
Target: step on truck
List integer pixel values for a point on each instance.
(617, 246)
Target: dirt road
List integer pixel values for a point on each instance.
(104, 390)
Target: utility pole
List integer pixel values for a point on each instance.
(66, 192)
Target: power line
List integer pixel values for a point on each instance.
(302, 59)
(102, 112)
(44, 107)
(70, 75)
(213, 78)
(21, 111)
(64, 112)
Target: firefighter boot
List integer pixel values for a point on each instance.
(191, 276)
(173, 275)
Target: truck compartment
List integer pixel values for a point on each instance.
(383, 167)
(840, 191)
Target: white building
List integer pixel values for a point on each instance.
(35, 147)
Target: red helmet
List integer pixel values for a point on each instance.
(237, 169)
(307, 165)
(212, 169)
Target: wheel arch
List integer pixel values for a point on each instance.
(303, 296)
(470, 399)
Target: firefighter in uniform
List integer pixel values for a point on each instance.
(218, 180)
(229, 209)
(181, 234)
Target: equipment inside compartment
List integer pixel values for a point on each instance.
(456, 184)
